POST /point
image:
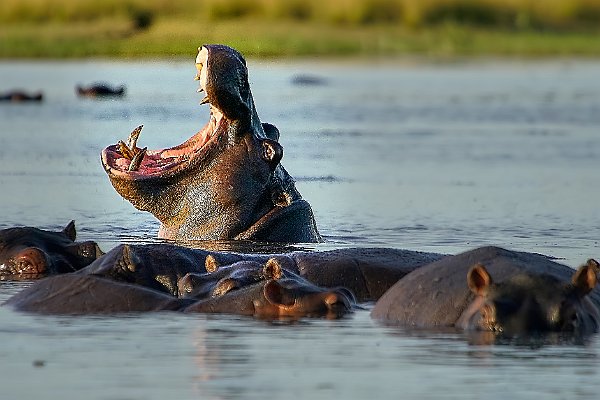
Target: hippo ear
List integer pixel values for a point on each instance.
(479, 280)
(70, 231)
(127, 260)
(211, 264)
(272, 152)
(584, 279)
(594, 264)
(272, 269)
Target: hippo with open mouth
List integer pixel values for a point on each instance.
(226, 181)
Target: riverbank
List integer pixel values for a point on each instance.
(172, 37)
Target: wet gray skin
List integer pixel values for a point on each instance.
(77, 294)
(226, 181)
(247, 288)
(32, 253)
(219, 280)
(495, 290)
(366, 272)
(226, 282)
(532, 303)
(278, 298)
(91, 294)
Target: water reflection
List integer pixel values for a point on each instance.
(432, 158)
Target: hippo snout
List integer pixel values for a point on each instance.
(337, 303)
(29, 261)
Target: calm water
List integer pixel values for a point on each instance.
(437, 158)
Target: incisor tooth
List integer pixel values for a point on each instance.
(133, 137)
(136, 161)
(125, 150)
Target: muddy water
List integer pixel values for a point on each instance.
(437, 158)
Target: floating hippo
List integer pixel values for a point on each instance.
(226, 181)
(279, 298)
(100, 90)
(263, 290)
(495, 290)
(366, 272)
(30, 253)
(217, 281)
(151, 272)
(272, 293)
(90, 294)
(17, 96)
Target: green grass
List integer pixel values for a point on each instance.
(291, 28)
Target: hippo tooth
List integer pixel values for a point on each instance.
(125, 150)
(205, 100)
(200, 90)
(136, 161)
(133, 137)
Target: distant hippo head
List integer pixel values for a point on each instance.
(225, 182)
(219, 280)
(528, 303)
(291, 298)
(266, 291)
(29, 253)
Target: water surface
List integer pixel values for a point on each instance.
(439, 158)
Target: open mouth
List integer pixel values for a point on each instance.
(126, 159)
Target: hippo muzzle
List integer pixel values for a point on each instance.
(226, 181)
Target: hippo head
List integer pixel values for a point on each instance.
(29, 253)
(290, 299)
(225, 182)
(266, 291)
(219, 280)
(532, 303)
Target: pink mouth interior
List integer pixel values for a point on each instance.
(157, 161)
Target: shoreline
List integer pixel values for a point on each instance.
(172, 39)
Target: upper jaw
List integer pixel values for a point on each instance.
(201, 74)
(126, 159)
(142, 163)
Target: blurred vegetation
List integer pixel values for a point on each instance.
(78, 28)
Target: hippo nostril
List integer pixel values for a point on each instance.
(335, 302)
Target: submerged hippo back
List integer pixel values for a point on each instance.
(436, 295)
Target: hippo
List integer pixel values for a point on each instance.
(18, 96)
(99, 90)
(217, 280)
(77, 294)
(156, 274)
(270, 294)
(366, 272)
(31, 253)
(279, 298)
(491, 289)
(226, 182)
